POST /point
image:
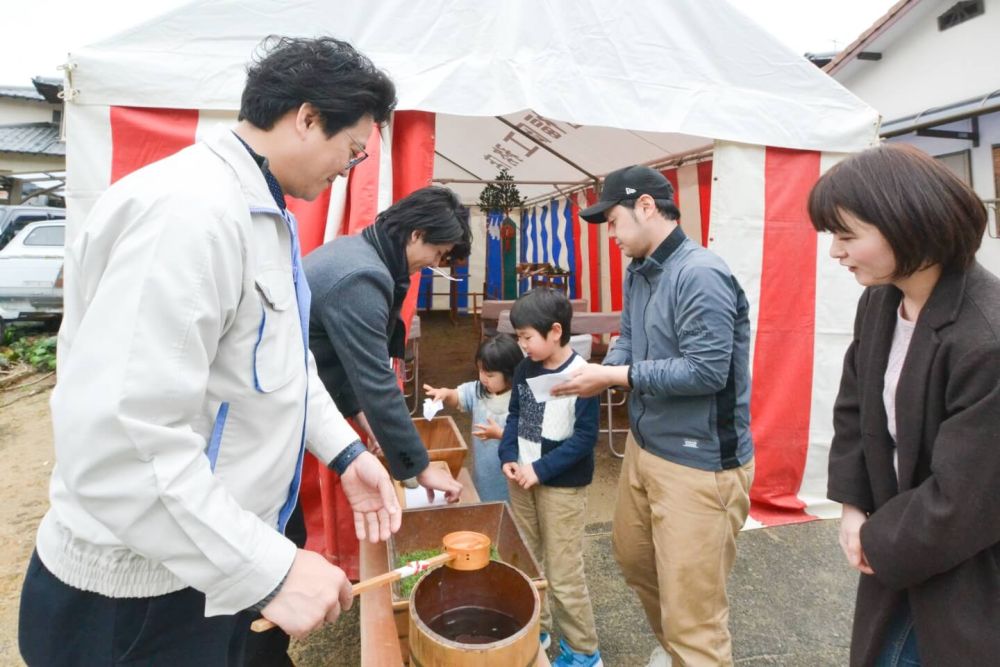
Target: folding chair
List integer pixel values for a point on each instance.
(490, 315)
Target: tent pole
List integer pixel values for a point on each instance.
(445, 181)
(693, 155)
(449, 160)
(696, 155)
(543, 146)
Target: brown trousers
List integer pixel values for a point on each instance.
(552, 519)
(674, 538)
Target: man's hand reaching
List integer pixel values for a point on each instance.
(370, 492)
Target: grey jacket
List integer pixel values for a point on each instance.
(351, 319)
(685, 331)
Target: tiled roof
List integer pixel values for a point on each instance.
(48, 88)
(31, 138)
(896, 12)
(21, 93)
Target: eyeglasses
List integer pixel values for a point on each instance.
(359, 157)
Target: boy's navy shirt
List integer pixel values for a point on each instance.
(564, 462)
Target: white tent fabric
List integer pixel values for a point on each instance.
(560, 91)
(651, 70)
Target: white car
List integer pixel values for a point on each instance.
(31, 273)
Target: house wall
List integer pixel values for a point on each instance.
(922, 68)
(983, 172)
(14, 110)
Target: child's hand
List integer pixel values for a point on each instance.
(488, 431)
(435, 393)
(447, 396)
(510, 471)
(526, 477)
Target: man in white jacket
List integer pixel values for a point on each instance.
(187, 392)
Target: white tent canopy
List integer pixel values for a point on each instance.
(647, 79)
(573, 89)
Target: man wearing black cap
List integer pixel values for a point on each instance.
(683, 494)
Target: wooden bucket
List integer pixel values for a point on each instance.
(476, 618)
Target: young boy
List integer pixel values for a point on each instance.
(547, 454)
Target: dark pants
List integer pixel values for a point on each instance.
(62, 626)
(270, 648)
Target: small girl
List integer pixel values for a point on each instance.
(487, 400)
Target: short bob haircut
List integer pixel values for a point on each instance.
(926, 214)
(434, 211)
(499, 354)
(540, 309)
(341, 83)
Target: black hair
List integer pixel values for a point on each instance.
(499, 354)
(667, 208)
(926, 214)
(436, 212)
(540, 309)
(331, 75)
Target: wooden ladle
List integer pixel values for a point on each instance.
(464, 550)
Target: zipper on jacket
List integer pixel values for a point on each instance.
(293, 492)
(645, 333)
(216, 440)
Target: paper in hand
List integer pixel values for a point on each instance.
(418, 498)
(431, 408)
(542, 385)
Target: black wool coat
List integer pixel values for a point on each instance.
(934, 537)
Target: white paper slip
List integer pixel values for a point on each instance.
(418, 497)
(431, 408)
(541, 386)
(444, 275)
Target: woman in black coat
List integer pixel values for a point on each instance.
(915, 459)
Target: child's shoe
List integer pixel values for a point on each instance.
(571, 658)
(659, 658)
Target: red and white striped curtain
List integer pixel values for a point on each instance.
(802, 310)
(747, 204)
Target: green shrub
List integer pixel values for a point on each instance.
(38, 351)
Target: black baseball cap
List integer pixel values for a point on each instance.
(629, 183)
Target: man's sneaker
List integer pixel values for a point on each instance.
(659, 658)
(545, 639)
(571, 658)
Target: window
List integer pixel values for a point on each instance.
(19, 223)
(996, 170)
(960, 164)
(23, 219)
(47, 235)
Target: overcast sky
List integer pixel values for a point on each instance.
(38, 33)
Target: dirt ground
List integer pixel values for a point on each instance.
(446, 359)
(26, 452)
(791, 592)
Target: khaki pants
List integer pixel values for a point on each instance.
(674, 538)
(552, 520)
